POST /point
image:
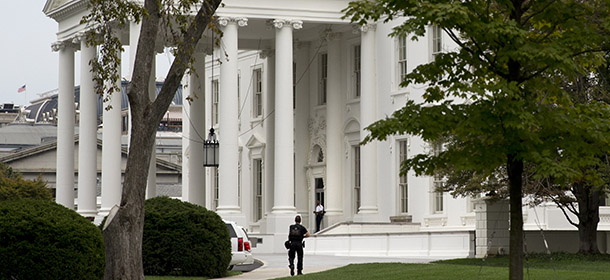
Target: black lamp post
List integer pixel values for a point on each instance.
(210, 150)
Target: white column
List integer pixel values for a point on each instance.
(269, 131)
(284, 118)
(228, 203)
(87, 144)
(65, 126)
(334, 131)
(193, 130)
(368, 115)
(111, 152)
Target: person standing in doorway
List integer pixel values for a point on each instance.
(296, 234)
(319, 214)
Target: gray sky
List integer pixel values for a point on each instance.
(26, 56)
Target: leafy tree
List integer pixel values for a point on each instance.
(123, 233)
(581, 197)
(496, 95)
(13, 186)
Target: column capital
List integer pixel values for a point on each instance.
(240, 21)
(79, 38)
(357, 29)
(57, 46)
(280, 23)
(61, 45)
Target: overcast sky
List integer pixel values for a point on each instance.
(26, 53)
(26, 56)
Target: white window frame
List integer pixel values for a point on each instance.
(357, 179)
(438, 201)
(258, 189)
(436, 44)
(323, 78)
(357, 71)
(403, 185)
(257, 90)
(215, 189)
(215, 92)
(401, 59)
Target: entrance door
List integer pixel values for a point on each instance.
(320, 191)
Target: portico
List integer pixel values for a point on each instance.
(283, 42)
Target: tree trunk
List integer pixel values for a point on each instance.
(515, 173)
(588, 199)
(123, 235)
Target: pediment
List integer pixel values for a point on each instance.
(254, 141)
(52, 5)
(352, 126)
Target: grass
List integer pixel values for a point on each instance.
(562, 266)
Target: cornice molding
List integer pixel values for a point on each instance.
(70, 8)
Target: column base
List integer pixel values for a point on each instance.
(104, 211)
(232, 213)
(368, 215)
(284, 210)
(87, 213)
(277, 225)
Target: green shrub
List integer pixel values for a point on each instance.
(183, 239)
(43, 240)
(13, 186)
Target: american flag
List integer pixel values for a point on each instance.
(21, 89)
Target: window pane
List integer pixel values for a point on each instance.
(357, 67)
(323, 77)
(402, 185)
(215, 101)
(258, 189)
(357, 193)
(258, 92)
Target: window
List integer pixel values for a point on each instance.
(437, 43)
(215, 186)
(438, 195)
(357, 75)
(357, 198)
(257, 78)
(402, 58)
(323, 79)
(239, 94)
(403, 186)
(257, 175)
(294, 85)
(438, 198)
(214, 101)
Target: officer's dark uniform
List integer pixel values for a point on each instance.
(296, 246)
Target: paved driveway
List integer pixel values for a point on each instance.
(276, 265)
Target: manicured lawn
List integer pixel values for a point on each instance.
(538, 267)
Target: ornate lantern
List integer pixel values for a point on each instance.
(210, 150)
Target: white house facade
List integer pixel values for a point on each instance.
(289, 93)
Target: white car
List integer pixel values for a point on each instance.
(241, 247)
